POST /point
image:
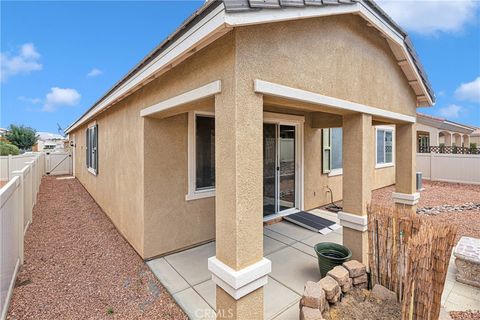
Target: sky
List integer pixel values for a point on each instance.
(59, 57)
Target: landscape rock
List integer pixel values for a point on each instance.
(307, 313)
(355, 268)
(340, 274)
(467, 261)
(313, 296)
(330, 286)
(381, 293)
(347, 286)
(360, 280)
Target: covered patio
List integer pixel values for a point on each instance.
(289, 248)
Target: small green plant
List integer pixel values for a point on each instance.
(8, 148)
(473, 145)
(110, 311)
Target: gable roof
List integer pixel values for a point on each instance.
(217, 17)
(444, 124)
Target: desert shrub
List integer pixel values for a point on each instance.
(8, 148)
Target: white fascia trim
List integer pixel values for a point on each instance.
(278, 90)
(238, 19)
(238, 283)
(214, 22)
(196, 94)
(406, 198)
(353, 221)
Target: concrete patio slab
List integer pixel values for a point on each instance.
(191, 264)
(293, 268)
(293, 312)
(167, 275)
(290, 230)
(305, 248)
(271, 245)
(193, 305)
(278, 236)
(278, 298)
(207, 291)
(334, 236)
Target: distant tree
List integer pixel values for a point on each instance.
(7, 148)
(22, 137)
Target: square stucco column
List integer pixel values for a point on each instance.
(405, 195)
(239, 269)
(357, 182)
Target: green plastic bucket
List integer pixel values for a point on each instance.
(330, 255)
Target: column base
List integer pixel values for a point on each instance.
(357, 242)
(406, 198)
(239, 283)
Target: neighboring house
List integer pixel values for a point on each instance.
(436, 132)
(475, 137)
(220, 128)
(49, 141)
(3, 132)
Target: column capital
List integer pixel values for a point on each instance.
(238, 283)
(353, 221)
(406, 198)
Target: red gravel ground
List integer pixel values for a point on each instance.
(77, 265)
(441, 193)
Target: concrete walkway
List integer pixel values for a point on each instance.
(294, 262)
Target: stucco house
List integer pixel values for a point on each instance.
(435, 132)
(251, 110)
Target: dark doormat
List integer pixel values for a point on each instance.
(312, 222)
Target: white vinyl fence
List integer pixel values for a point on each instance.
(460, 168)
(17, 198)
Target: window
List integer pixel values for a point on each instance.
(384, 138)
(92, 149)
(332, 151)
(201, 155)
(204, 152)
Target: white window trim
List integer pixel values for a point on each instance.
(385, 164)
(89, 127)
(335, 172)
(193, 193)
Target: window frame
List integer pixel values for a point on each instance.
(193, 193)
(384, 164)
(91, 136)
(331, 172)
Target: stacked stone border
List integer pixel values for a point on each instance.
(318, 296)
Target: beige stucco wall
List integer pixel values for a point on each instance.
(338, 56)
(143, 175)
(118, 187)
(171, 222)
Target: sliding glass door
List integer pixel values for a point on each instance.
(279, 167)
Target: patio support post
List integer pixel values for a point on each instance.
(405, 195)
(239, 269)
(357, 179)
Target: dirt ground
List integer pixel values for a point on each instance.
(441, 193)
(460, 315)
(77, 265)
(357, 304)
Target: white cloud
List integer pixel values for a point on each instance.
(26, 61)
(94, 72)
(469, 91)
(451, 111)
(30, 100)
(60, 97)
(431, 16)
